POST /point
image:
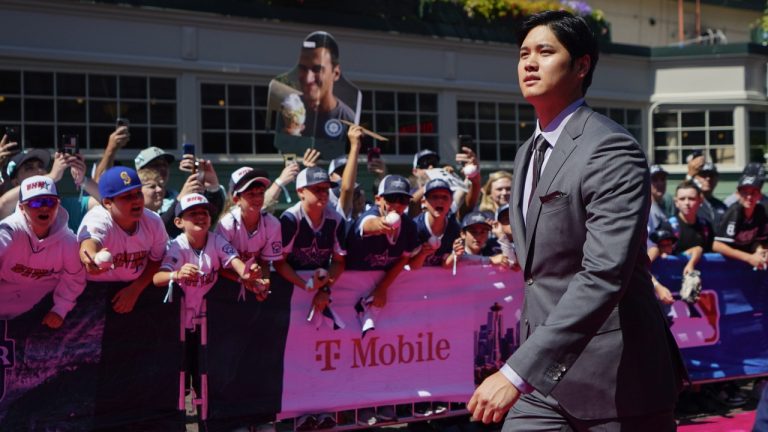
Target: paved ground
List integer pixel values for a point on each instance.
(707, 409)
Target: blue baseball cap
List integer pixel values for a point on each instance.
(436, 184)
(118, 180)
(474, 218)
(394, 184)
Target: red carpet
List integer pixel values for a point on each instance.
(741, 422)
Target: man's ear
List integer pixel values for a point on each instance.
(582, 65)
(107, 203)
(178, 222)
(336, 72)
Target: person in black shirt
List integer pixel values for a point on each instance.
(712, 209)
(744, 228)
(694, 234)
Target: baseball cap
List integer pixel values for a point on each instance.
(436, 184)
(708, 167)
(312, 176)
(118, 180)
(394, 184)
(425, 156)
(662, 233)
(337, 164)
(244, 177)
(754, 169)
(474, 218)
(37, 186)
(750, 180)
(657, 169)
(190, 201)
(149, 154)
(42, 155)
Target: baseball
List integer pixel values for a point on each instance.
(392, 219)
(469, 170)
(434, 242)
(103, 259)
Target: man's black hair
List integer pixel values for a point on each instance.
(571, 31)
(321, 39)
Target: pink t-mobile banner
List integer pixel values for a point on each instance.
(437, 335)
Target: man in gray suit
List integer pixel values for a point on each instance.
(596, 351)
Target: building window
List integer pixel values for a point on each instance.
(234, 119)
(498, 128)
(47, 105)
(758, 136)
(408, 119)
(630, 118)
(679, 132)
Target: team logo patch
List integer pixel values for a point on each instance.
(126, 178)
(731, 229)
(229, 250)
(7, 359)
(333, 128)
(277, 247)
(698, 324)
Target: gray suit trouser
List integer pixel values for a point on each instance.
(535, 412)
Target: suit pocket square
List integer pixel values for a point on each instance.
(552, 196)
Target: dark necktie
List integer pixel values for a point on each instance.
(540, 149)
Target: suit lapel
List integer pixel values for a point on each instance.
(565, 145)
(516, 214)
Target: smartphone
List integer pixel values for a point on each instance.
(189, 149)
(121, 122)
(374, 153)
(289, 158)
(68, 144)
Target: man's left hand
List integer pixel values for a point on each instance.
(493, 398)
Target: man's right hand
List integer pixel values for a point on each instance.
(493, 398)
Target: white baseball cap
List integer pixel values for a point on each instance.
(37, 186)
(191, 200)
(242, 179)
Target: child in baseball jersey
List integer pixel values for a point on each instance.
(471, 248)
(743, 230)
(253, 232)
(37, 255)
(313, 237)
(437, 226)
(132, 234)
(195, 256)
(139, 330)
(384, 237)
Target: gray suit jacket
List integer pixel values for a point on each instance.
(594, 335)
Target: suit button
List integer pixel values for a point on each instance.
(563, 368)
(529, 281)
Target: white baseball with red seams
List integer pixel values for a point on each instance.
(392, 219)
(103, 259)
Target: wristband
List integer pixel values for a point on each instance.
(279, 182)
(309, 285)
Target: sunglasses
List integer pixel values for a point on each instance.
(36, 203)
(397, 198)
